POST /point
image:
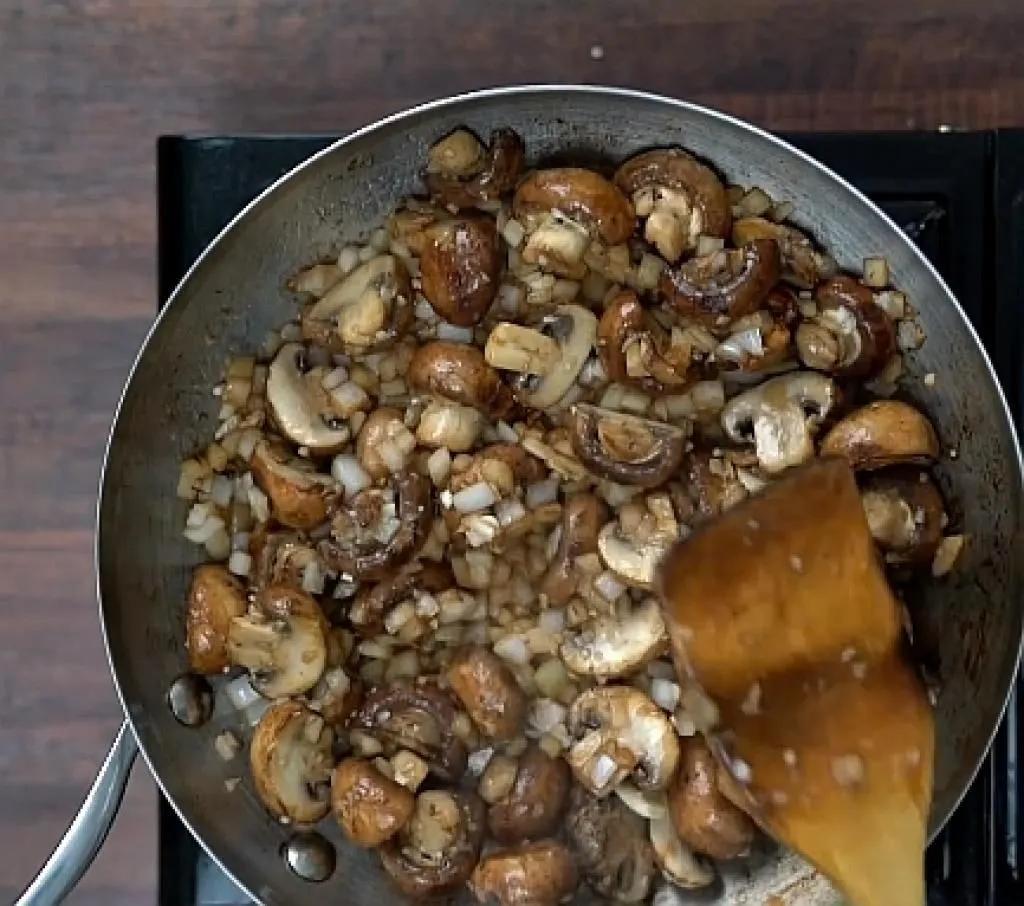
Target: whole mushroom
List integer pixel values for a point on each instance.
(882, 433)
(531, 874)
(905, 513)
(582, 518)
(461, 173)
(291, 762)
(608, 647)
(370, 807)
(533, 807)
(781, 417)
(564, 210)
(488, 691)
(626, 448)
(459, 268)
(680, 197)
(298, 495)
(214, 599)
(438, 848)
(724, 285)
(619, 732)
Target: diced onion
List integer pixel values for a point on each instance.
(665, 693)
(541, 492)
(240, 563)
(513, 648)
(202, 533)
(218, 545)
(335, 378)
(546, 714)
(608, 586)
(446, 331)
(222, 491)
(347, 471)
(739, 345)
(197, 515)
(240, 693)
(509, 511)
(313, 578)
(476, 497)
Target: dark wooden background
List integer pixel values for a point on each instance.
(85, 88)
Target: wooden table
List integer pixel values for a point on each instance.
(85, 88)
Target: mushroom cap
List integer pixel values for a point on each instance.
(882, 433)
(531, 874)
(291, 761)
(620, 732)
(370, 807)
(533, 807)
(488, 691)
(497, 173)
(612, 646)
(214, 598)
(459, 373)
(301, 410)
(575, 329)
(459, 268)
(626, 448)
(581, 195)
(297, 496)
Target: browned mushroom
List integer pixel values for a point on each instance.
(291, 762)
(704, 818)
(381, 425)
(370, 807)
(712, 484)
(283, 601)
(279, 558)
(635, 349)
(531, 874)
(461, 173)
(611, 847)
(502, 466)
(852, 337)
(213, 599)
(460, 374)
(488, 691)
(905, 513)
(625, 448)
(882, 433)
(802, 265)
(681, 198)
(582, 518)
(409, 224)
(339, 694)
(368, 310)
(437, 850)
(533, 807)
(372, 603)
(724, 285)
(380, 528)
(420, 719)
(298, 495)
(563, 210)
(459, 267)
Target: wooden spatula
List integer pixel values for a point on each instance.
(780, 611)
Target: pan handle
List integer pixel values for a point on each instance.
(85, 835)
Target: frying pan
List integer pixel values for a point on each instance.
(969, 625)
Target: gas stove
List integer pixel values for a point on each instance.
(958, 195)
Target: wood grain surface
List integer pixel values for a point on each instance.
(86, 87)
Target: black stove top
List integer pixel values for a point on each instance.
(960, 196)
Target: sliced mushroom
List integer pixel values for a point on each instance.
(371, 603)
(534, 805)
(381, 426)
(408, 225)
(280, 558)
(882, 433)
(449, 425)
(635, 349)
(298, 495)
(621, 733)
(681, 198)
(303, 410)
(625, 448)
(366, 311)
(702, 816)
(564, 209)
(503, 466)
(370, 807)
(291, 762)
(531, 874)
(461, 174)
(678, 863)
(724, 285)
(608, 647)
(611, 847)
(284, 655)
(459, 374)
(488, 691)
(437, 850)
(582, 518)
(852, 337)
(574, 331)
(380, 528)
(802, 265)
(214, 599)
(712, 484)
(420, 719)
(780, 417)
(279, 602)
(905, 514)
(633, 560)
(459, 267)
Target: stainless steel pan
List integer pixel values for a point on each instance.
(233, 295)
